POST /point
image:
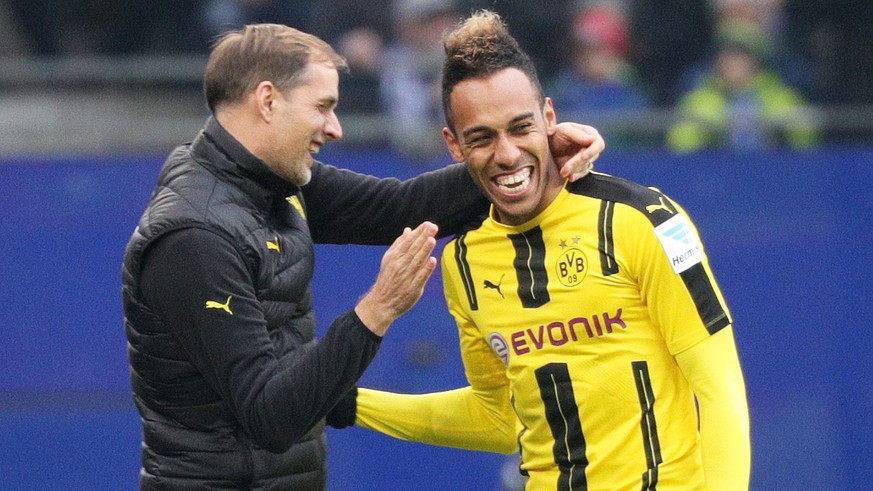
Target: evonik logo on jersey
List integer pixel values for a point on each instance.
(556, 333)
(680, 242)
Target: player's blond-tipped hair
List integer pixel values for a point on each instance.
(479, 47)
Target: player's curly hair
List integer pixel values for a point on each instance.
(479, 47)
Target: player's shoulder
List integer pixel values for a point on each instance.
(648, 201)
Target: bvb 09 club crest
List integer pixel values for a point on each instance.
(571, 267)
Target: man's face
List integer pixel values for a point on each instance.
(303, 120)
(501, 130)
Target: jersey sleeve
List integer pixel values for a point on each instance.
(477, 417)
(712, 368)
(675, 278)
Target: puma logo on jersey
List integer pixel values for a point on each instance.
(274, 245)
(488, 284)
(661, 206)
(212, 304)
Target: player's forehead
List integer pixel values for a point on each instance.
(495, 101)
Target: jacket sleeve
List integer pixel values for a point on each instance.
(345, 207)
(712, 368)
(215, 315)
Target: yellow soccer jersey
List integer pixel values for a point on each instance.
(581, 311)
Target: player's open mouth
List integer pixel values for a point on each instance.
(515, 183)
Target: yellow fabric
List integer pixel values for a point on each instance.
(713, 370)
(460, 418)
(543, 302)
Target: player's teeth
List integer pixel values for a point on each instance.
(516, 178)
(514, 183)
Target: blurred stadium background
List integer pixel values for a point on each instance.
(84, 128)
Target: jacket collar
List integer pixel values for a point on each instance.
(233, 162)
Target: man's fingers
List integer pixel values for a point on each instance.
(576, 168)
(575, 147)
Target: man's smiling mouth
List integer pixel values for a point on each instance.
(514, 183)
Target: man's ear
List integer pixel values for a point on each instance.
(265, 95)
(549, 116)
(453, 144)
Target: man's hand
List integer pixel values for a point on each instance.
(405, 268)
(575, 147)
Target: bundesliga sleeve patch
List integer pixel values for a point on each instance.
(680, 242)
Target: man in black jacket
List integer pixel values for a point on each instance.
(230, 382)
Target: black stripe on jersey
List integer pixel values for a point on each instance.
(649, 201)
(658, 208)
(711, 312)
(562, 413)
(608, 264)
(530, 267)
(464, 269)
(649, 426)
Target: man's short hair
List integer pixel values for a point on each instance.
(243, 58)
(477, 48)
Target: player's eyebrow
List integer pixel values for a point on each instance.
(479, 129)
(521, 117)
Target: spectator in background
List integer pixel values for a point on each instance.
(363, 48)
(411, 75)
(767, 16)
(597, 79)
(740, 103)
(108, 27)
(220, 15)
(668, 37)
(331, 19)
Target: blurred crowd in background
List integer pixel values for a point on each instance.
(687, 74)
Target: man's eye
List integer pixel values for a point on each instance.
(523, 127)
(477, 141)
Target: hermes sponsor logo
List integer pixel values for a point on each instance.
(559, 333)
(680, 243)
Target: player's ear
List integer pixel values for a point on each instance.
(550, 117)
(453, 145)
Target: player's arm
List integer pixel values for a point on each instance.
(478, 417)
(462, 418)
(686, 303)
(712, 368)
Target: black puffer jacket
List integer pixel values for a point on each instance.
(233, 393)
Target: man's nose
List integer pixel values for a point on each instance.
(333, 130)
(506, 151)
